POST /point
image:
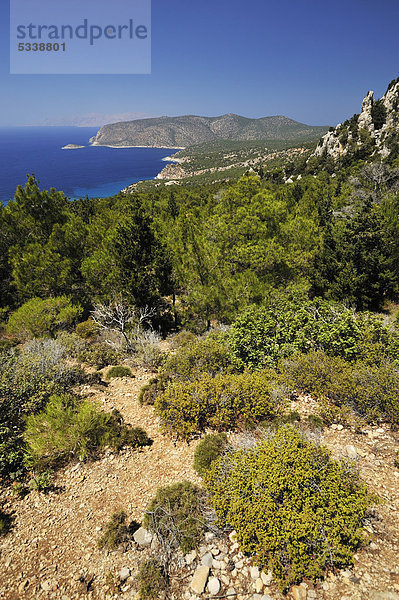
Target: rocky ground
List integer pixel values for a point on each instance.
(51, 550)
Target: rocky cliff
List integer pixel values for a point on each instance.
(375, 131)
(172, 132)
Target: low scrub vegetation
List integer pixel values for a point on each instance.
(177, 516)
(119, 371)
(39, 317)
(151, 580)
(224, 402)
(297, 511)
(199, 356)
(261, 336)
(208, 450)
(371, 390)
(69, 427)
(116, 532)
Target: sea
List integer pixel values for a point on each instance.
(93, 171)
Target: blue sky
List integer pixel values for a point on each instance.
(310, 60)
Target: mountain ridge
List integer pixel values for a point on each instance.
(188, 130)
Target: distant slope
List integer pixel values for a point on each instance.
(188, 130)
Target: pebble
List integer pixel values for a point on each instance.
(254, 572)
(214, 586)
(124, 573)
(190, 557)
(267, 578)
(207, 559)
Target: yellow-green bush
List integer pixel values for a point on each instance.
(87, 329)
(297, 511)
(224, 402)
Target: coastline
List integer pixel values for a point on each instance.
(121, 147)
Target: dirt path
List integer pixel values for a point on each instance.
(53, 541)
(51, 551)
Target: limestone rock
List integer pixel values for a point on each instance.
(199, 579)
(214, 586)
(380, 595)
(124, 573)
(298, 592)
(350, 451)
(207, 559)
(143, 537)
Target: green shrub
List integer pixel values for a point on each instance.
(87, 330)
(176, 515)
(151, 580)
(183, 338)
(41, 482)
(98, 355)
(262, 336)
(152, 389)
(39, 317)
(295, 510)
(372, 391)
(69, 427)
(315, 421)
(224, 402)
(119, 371)
(205, 356)
(116, 532)
(27, 379)
(212, 446)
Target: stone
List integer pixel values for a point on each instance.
(383, 595)
(209, 536)
(350, 452)
(254, 572)
(213, 586)
(267, 578)
(143, 537)
(124, 573)
(231, 592)
(46, 586)
(207, 559)
(298, 592)
(191, 556)
(24, 584)
(199, 579)
(340, 427)
(258, 585)
(239, 564)
(217, 564)
(233, 536)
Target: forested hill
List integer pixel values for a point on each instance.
(189, 129)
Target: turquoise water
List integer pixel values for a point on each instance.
(93, 170)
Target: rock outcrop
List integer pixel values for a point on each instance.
(375, 131)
